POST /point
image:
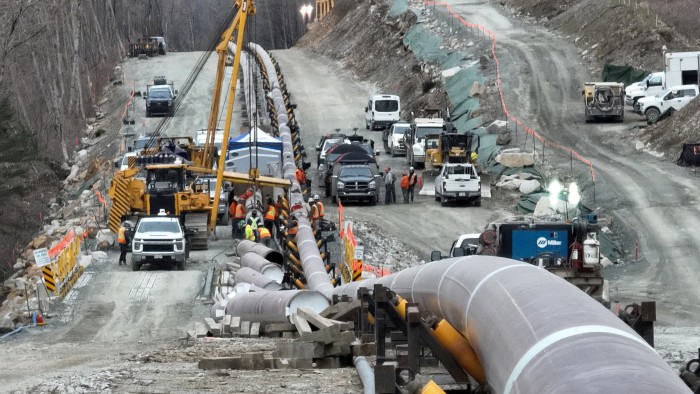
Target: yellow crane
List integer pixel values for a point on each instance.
(166, 185)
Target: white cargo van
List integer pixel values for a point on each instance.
(682, 68)
(382, 111)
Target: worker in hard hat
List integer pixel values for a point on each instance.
(239, 214)
(270, 218)
(319, 205)
(247, 230)
(313, 214)
(266, 237)
(123, 241)
(255, 222)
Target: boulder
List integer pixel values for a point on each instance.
(544, 209)
(104, 245)
(509, 183)
(19, 264)
(504, 138)
(515, 159)
(526, 175)
(73, 173)
(497, 126)
(529, 186)
(98, 256)
(40, 241)
(6, 324)
(105, 236)
(477, 90)
(82, 155)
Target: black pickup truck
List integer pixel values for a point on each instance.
(160, 97)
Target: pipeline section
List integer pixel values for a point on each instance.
(532, 331)
(275, 306)
(309, 255)
(261, 250)
(249, 275)
(266, 268)
(364, 369)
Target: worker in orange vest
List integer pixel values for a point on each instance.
(319, 205)
(301, 177)
(293, 229)
(232, 216)
(270, 218)
(313, 214)
(266, 237)
(123, 241)
(237, 217)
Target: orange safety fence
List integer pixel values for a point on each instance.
(510, 117)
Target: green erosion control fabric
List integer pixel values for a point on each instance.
(398, 7)
(624, 74)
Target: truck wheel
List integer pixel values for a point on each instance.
(181, 265)
(135, 266)
(437, 197)
(366, 124)
(443, 202)
(333, 199)
(477, 202)
(148, 114)
(652, 115)
(373, 201)
(371, 125)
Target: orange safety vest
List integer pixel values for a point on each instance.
(321, 209)
(240, 212)
(404, 182)
(293, 230)
(121, 237)
(301, 176)
(264, 233)
(232, 209)
(271, 213)
(314, 212)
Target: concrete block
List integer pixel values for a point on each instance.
(314, 318)
(191, 334)
(253, 361)
(235, 325)
(325, 336)
(200, 330)
(227, 324)
(220, 363)
(346, 338)
(331, 310)
(291, 350)
(364, 349)
(255, 329)
(212, 326)
(335, 349)
(344, 325)
(268, 363)
(281, 363)
(301, 324)
(328, 362)
(278, 328)
(301, 363)
(346, 311)
(245, 329)
(290, 335)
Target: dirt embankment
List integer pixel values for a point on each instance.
(369, 44)
(610, 32)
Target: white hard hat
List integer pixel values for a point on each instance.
(162, 212)
(316, 197)
(311, 199)
(410, 169)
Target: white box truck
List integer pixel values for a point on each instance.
(681, 68)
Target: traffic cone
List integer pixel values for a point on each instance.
(40, 320)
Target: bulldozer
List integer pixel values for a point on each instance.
(453, 147)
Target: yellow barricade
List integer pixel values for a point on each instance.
(65, 268)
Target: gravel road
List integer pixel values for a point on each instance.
(655, 200)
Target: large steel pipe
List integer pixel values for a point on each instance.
(267, 268)
(533, 331)
(314, 268)
(275, 307)
(249, 275)
(272, 255)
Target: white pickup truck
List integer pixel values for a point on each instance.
(677, 97)
(458, 182)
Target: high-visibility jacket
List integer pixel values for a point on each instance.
(271, 213)
(264, 232)
(314, 212)
(232, 209)
(321, 209)
(293, 231)
(404, 182)
(249, 234)
(301, 176)
(254, 222)
(240, 212)
(121, 237)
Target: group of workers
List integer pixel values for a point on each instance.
(255, 228)
(408, 184)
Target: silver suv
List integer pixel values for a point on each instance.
(159, 238)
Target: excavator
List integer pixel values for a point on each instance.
(175, 164)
